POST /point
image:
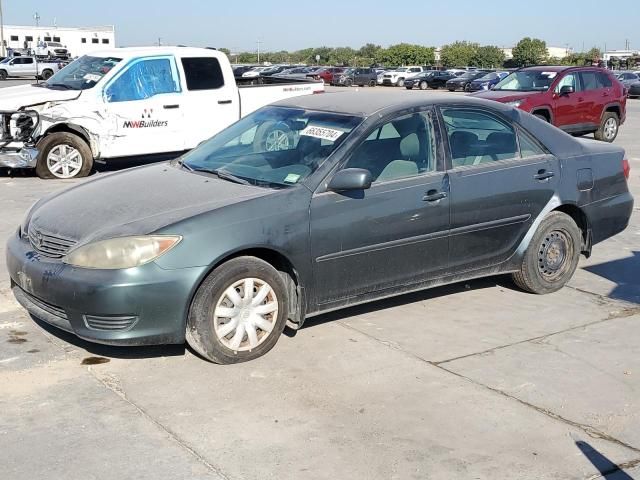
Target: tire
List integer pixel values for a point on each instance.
(63, 144)
(205, 322)
(609, 127)
(409, 88)
(47, 74)
(400, 82)
(423, 85)
(372, 83)
(541, 117)
(348, 82)
(451, 89)
(3, 74)
(552, 256)
(273, 137)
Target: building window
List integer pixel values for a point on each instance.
(47, 39)
(29, 38)
(105, 40)
(83, 40)
(94, 40)
(14, 38)
(56, 39)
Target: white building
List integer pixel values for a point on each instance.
(78, 40)
(621, 54)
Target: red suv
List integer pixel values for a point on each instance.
(579, 100)
(326, 74)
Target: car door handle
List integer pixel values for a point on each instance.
(224, 102)
(171, 107)
(543, 175)
(434, 196)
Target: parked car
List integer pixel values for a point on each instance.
(462, 82)
(397, 77)
(634, 90)
(628, 78)
(238, 70)
(440, 79)
(297, 72)
(356, 76)
(27, 67)
(309, 231)
(273, 70)
(579, 100)
(128, 102)
(420, 80)
(487, 81)
(254, 72)
(52, 50)
(326, 74)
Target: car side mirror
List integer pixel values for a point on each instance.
(566, 90)
(350, 179)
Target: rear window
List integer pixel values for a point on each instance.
(202, 73)
(604, 80)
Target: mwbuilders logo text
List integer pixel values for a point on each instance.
(145, 123)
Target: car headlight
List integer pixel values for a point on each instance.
(123, 252)
(515, 103)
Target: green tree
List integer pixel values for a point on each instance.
(530, 51)
(345, 56)
(488, 56)
(458, 54)
(368, 54)
(407, 54)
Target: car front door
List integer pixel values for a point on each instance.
(393, 234)
(500, 181)
(143, 104)
(593, 97)
(569, 108)
(210, 101)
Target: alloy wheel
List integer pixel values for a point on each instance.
(245, 314)
(610, 128)
(276, 140)
(64, 161)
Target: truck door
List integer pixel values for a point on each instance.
(143, 104)
(211, 101)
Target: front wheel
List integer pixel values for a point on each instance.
(348, 83)
(372, 83)
(401, 82)
(239, 311)
(63, 155)
(423, 85)
(552, 256)
(609, 126)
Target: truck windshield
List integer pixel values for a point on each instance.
(527, 81)
(274, 147)
(83, 73)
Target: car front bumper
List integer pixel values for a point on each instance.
(18, 157)
(147, 305)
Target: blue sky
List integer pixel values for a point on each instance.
(286, 24)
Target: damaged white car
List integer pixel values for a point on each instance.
(128, 102)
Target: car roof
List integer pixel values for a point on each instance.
(558, 68)
(133, 52)
(366, 103)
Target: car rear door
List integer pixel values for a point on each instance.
(210, 101)
(393, 234)
(500, 180)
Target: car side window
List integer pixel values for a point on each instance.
(589, 81)
(604, 81)
(570, 79)
(143, 79)
(402, 148)
(203, 73)
(528, 147)
(477, 137)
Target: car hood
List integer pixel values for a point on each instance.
(504, 95)
(13, 98)
(136, 202)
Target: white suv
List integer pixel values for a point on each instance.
(398, 76)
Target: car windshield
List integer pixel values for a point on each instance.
(527, 81)
(466, 75)
(488, 76)
(54, 44)
(274, 147)
(83, 73)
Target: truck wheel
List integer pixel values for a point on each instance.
(372, 83)
(401, 82)
(63, 155)
(273, 137)
(609, 126)
(47, 74)
(239, 311)
(3, 74)
(552, 256)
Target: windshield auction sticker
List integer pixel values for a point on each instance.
(322, 132)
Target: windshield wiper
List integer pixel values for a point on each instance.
(60, 85)
(218, 172)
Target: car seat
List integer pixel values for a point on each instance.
(463, 147)
(407, 166)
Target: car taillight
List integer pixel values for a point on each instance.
(626, 168)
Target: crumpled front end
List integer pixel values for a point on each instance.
(18, 129)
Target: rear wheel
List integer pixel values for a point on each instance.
(3, 74)
(452, 89)
(239, 311)
(348, 82)
(372, 83)
(47, 74)
(401, 82)
(63, 155)
(609, 126)
(552, 256)
(541, 117)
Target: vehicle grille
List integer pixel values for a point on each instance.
(109, 324)
(49, 245)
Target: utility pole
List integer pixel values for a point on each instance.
(2, 49)
(159, 41)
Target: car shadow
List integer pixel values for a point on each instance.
(606, 467)
(625, 273)
(108, 351)
(502, 281)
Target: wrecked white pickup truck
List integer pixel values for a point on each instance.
(127, 102)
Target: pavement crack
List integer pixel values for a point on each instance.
(112, 383)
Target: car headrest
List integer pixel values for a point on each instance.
(410, 147)
(461, 142)
(501, 142)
